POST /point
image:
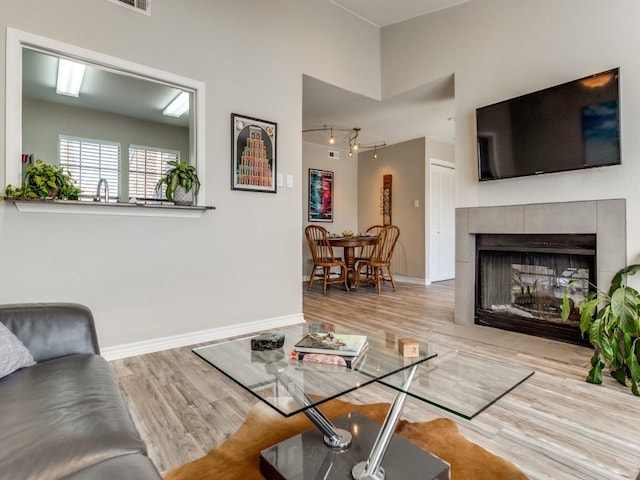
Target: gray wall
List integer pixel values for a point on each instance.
(441, 150)
(501, 49)
(345, 194)
(148, 279)
(496, 48)
(406, 164)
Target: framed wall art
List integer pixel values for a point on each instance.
(320, 195)
(385, 200)
(253, 154)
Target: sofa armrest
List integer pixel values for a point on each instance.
(52, 330)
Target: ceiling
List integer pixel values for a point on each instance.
(424, 111)
(102, 90)
(387, 12)
(427, 111)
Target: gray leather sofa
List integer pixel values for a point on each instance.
(65, 417)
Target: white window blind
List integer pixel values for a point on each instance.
(146, 167)
(89, 160)
(141, 6)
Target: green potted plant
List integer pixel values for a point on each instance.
(612, 320)
(181, 181)
(42, 180)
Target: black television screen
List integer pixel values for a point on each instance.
(567, 127)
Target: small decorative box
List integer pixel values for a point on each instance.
(267, 341)
(408, 347)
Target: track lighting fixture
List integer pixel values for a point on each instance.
(351, 140)
(375, 148)
(353, 134)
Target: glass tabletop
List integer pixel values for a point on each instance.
(460, 382)
(292, 386)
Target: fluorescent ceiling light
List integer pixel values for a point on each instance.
(178, 106)
(70, 76)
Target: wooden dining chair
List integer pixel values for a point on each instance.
(380, 258)
(324, 259)
(366, 251)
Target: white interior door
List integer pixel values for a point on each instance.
(442, 221)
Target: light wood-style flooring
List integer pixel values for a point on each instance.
(553, 426)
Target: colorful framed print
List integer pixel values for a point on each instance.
(320, 195)
(253, 154)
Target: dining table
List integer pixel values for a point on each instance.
(349, 245)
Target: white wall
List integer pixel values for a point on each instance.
(146, 278)
(345, 194)
(499, 49)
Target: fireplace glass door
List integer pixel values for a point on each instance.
(521, 280)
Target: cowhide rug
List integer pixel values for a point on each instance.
(238, 457)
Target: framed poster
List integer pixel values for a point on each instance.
(253, 154)
(320, 195)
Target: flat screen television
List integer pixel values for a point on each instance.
(566, 127)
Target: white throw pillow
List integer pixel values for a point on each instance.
(13, 354)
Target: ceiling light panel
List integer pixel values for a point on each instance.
(179, 106)
(70, 76)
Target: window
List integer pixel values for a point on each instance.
(88, 161)
(16, 133)
(146, 167)
(141, 6)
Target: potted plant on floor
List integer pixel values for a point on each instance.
(182, 183)
(612, 320)
(44, 181)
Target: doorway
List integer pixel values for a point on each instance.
(441, 220)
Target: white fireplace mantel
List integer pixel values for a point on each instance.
(605, 218)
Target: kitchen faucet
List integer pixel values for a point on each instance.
(98, 198)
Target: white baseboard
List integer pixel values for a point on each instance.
(417, 281)
(192, 338)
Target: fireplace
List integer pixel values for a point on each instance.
(521, 278)
(589, 239)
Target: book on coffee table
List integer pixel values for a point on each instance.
(332, 344)
(330, 359)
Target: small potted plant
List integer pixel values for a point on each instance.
(44, 181)
(182, 183)
(612, 320)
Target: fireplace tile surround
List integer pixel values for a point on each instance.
(604, 218)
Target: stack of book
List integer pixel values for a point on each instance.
(331, 348)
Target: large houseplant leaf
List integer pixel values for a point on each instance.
(624, 306)
(595, 374)
(621, 276)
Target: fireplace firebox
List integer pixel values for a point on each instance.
(521, 278)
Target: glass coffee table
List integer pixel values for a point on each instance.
(354, 447)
